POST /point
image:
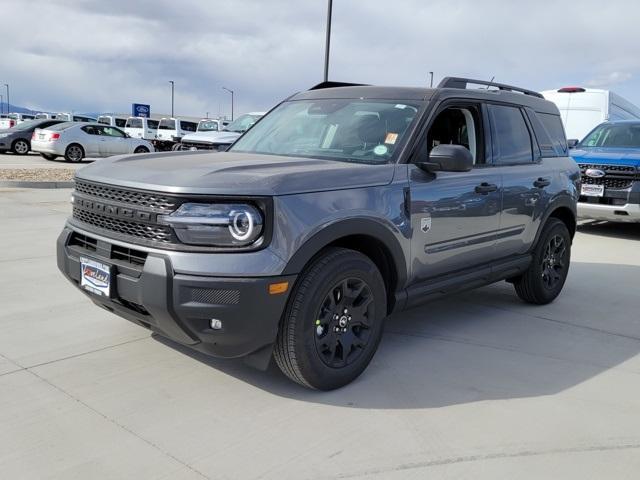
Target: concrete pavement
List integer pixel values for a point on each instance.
(474, 386)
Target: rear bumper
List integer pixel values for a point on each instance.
(615, 213)
(46, 147)
(181, 307)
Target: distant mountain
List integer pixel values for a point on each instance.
(16, 109)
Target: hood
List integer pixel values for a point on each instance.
(607, 156)
(212, 137)
(230, 173)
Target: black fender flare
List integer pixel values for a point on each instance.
(563, 201)
(343, 228)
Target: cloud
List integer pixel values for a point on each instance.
(94, 55)
(609, 80)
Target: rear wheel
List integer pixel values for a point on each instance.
(141, 150)
(544, 279)
(74, 153)
(333, 322)
(49, 156)
(20, 147)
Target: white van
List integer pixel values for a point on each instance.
(72, 117)
(171, 131)
(582, 109)
(141, 127)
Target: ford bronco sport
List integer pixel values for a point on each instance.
(343, 204)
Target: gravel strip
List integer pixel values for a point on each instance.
(37, 174)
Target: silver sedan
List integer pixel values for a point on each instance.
(75, 141)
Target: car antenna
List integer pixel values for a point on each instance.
(490, 81)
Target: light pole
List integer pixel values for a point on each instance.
(431, 81)
(328, 41)
(172, 86)
(1, 104)
(8, 101)
(231, 92)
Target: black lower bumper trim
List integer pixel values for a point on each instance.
(181, 307)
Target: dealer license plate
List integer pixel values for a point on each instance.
(592, 190)
(95, 276)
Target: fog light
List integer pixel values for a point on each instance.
(216, 324)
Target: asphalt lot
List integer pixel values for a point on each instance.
(34, 160)
(476, 386)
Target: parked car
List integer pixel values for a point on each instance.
(141, 127)
(211, 125)
(609, 160)
(171, 131)
(71, 117)
(13, 119)
(75, 141)
(18, 138)
(582, 109)
(113, 120)
(45, 116)
(220, 140)
(342, 205)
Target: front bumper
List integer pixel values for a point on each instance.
(614, 213)
(180, 306)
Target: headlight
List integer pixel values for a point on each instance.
(220, 224)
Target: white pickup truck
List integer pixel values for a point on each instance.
(220, 139)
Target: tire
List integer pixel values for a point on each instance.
(544, 279)
(319, 344)
(141, 150)
(175, 147)
(20, 147)
(74, 153)
(48, 156)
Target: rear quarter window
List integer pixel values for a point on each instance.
(554, 129)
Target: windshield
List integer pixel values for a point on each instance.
(242, 123)
(360, 131)
(208, 126)
(621, 135)
(166, 124)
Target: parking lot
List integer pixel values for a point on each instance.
(478, 385)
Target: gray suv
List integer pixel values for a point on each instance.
(343, 204)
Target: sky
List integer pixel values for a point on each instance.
(102, 55)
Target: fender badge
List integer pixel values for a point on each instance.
(425, 224)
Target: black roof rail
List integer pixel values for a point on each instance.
(458, 82)
(331, 84)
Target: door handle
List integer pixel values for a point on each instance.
(542, 182)
(485, 187)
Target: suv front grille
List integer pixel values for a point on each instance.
(155, 233)
(608, 182)
(130, 197)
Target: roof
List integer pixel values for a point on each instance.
(425, 94)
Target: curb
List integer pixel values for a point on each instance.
(34, 184)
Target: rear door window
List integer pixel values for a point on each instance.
(511, 139)
(166, 124)
(134, 123)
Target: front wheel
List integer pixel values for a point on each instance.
(20, 147)
(333, 322)
(545, 277)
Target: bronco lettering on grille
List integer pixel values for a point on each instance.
(114, 211)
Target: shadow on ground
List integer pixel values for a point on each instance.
(629, 231)
(483, 345)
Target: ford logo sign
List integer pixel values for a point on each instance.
(594, 173)
(142, 109)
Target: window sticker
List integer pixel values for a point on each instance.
(380, 150)
(391, 138)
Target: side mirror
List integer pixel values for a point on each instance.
(572, 142)
(448, 158)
